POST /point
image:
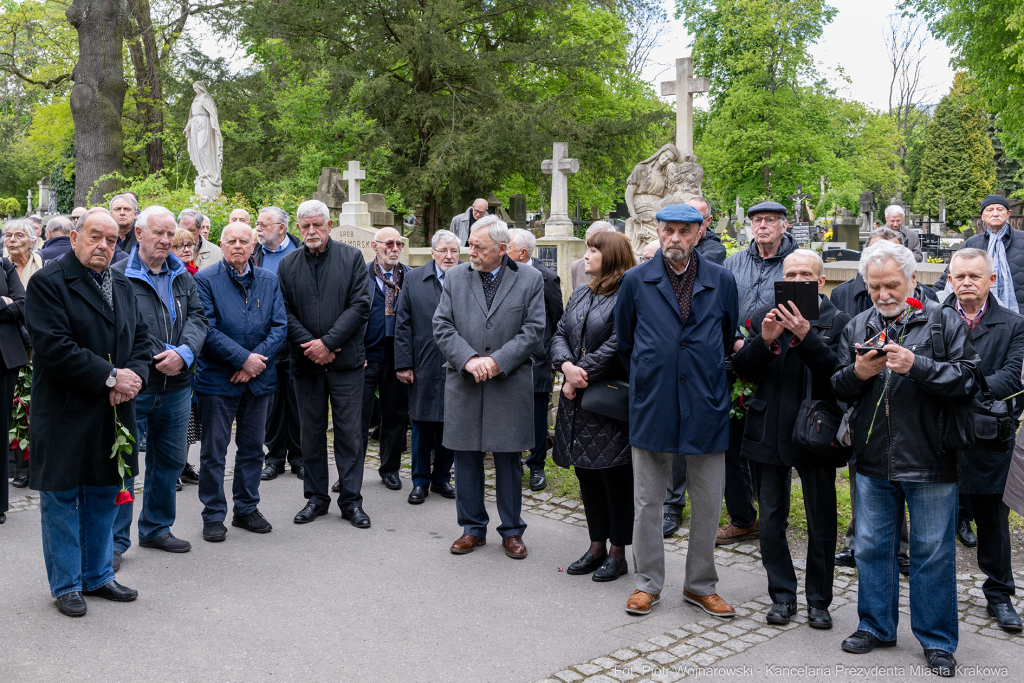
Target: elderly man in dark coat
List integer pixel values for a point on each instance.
(92, 352)
(791, 359)
(420, 365)
(488, 325)
(676, 318)
(998, 337)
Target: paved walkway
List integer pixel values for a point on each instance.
(328, 602)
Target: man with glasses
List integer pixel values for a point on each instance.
(462, 222)
(387, 278)
(650, 249)
(420, 366)
(283, 438)
(77, 213)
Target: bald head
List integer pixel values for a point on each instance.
(239, 216)
(387, 245)
(702, 205)
(479, 210)
(649, 251)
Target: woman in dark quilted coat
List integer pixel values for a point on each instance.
(584, 349)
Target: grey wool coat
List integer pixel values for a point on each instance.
(495, 415)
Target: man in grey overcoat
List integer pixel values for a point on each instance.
(488, 324)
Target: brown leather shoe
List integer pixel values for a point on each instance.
(712, 604)
(733, 533)
(466, 543)
(514, 547)
(641, 603)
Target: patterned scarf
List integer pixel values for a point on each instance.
(1004, 281)
(391, 287)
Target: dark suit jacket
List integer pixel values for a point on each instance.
(76, 341)
(12, 315)
(543, 380)
(415, 347)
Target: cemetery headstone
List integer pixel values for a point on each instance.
(330, 191)
(559, 167)
(517, 206)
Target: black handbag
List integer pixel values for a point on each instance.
(609, 398)
(817, 428)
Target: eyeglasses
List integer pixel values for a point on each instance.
(643, 259)
(266, 225)
(183, 247)
(451, 250)
(391, 244)
(770, 221)
(15, 235)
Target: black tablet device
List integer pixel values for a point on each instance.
(803, 294)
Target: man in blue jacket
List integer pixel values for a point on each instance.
(248, 324)
(676, 318)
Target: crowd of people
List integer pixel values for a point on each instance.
(139, 328)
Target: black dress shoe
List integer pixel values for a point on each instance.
(585, 564)
(115, 561)
(844, 558)
(254, 522)
(309, 513)
(538, 482)
(72, 604)
(391, 480)
(1006, 616)
(179, 486)
(189, 475)
(941, 662)
(357, 517)
(300, 472)
(863, 642)
(270, 472)
(966, 535)
(168, 543)
(610, 570)
(670, 525)
(20, 482)
(443, 489)
(819, 618)
(337, 487)
(3, 517)
(781, 613)
(418, 495)
(112, 590)
(904, 565)
(214, 532)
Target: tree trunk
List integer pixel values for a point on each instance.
(97, 98)
(149, 100)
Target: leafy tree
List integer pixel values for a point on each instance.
(1008, 169)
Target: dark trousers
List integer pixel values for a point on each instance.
(773, 498)
(675, 496)
(8, 380)
(851, 531)
(393, 401)
(469, 493)
(607, 496)
(342, 390)
(992, 519)
(427, 439)
(283, 434)
(217, 413)
(539, 452)
(739, 488)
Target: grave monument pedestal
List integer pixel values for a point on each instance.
(560, 247)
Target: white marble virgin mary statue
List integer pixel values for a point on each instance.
(205, 145)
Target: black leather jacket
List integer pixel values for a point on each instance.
(906, 441)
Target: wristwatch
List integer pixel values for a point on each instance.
(112, 380)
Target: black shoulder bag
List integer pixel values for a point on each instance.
(608, 397)
(817, 427)
(974, 423)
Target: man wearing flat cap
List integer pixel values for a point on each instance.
(676, 318)
(1005, 246)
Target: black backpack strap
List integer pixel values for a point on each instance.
(938, 343)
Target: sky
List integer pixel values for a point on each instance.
(854, 41)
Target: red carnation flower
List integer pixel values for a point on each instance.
(747, 324)
(124, 496)
(915, 303)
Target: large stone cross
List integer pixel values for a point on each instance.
(353, 175)
(559, 167)
(683, 88)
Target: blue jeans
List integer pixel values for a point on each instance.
(78, 538)
(469, 493)
(162, 420)
(426, 439)
(933, 515)
(217, 413)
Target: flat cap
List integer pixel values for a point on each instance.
(767, 207)
(994, 199)
(680, 213)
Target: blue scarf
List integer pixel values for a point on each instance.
(1004, 281)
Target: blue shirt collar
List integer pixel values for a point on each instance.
(281, 247)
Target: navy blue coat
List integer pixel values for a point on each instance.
(241, 322)
(678, 391)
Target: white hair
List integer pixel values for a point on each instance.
(970, 253)
(443, 236)
(880, 252)
(497, 229)
(894, 210)
(22, 224)
(524, 239)
(311, 209)
(196, 216)
(58, 225)
(151, 211)
(280, 215)
(807, 253)
(599, 226)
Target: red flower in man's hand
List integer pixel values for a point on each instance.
(915, 303)
(124, 496)
(747, 324)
